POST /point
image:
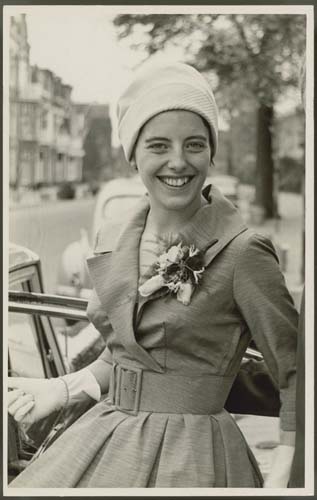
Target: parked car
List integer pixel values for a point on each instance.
(40, 344)
(115, 202)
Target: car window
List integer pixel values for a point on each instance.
(80, 342)
(24, 352)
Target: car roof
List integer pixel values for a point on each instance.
(19, 256)
(121, 185)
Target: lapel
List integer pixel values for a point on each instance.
(115, 274)
(214, 225)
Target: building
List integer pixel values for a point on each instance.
(46, 132)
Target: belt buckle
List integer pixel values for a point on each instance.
(123, 387)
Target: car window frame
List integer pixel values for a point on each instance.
(29, 276)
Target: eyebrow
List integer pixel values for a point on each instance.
(157, 139)
(200, 137)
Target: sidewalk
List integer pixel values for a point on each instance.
(262, 435)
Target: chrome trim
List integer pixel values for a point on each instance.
(47, 305)
(45, 298)
(57, 312)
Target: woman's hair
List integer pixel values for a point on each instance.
(211, 142)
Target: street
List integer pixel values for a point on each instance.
(48, 228)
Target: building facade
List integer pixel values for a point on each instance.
(46, 132)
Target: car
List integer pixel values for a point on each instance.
(41, 344)
(115, 202)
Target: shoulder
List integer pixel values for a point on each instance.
(257, 261)
(252, 243)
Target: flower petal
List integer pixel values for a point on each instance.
(151, 285)
(184, 293)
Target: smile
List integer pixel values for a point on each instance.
(175, 181)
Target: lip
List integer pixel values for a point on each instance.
(162, 177)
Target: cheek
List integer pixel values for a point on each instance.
(203, 162)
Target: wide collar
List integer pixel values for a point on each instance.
(115, 273)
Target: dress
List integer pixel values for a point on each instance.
(163, 424)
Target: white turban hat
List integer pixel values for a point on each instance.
(164, 88)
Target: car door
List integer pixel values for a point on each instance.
(41, 344)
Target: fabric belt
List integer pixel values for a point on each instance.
(133, 390)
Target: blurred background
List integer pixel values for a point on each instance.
(68, 66)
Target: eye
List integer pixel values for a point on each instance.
(158, 147)
(195, 146)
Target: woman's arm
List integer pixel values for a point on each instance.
(268, 310)
(29, 399)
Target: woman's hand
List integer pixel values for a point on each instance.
(30, 399)
(281, 467)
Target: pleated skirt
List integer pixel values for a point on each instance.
(107, 448)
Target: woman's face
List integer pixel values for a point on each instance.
(173, 157)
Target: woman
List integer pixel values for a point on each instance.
(185, 287)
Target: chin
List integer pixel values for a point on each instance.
(181, 204)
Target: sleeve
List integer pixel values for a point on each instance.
(99, 319)
(269, 312)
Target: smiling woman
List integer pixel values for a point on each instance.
(185, 287)
(172, 156)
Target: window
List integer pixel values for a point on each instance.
(28, 120)
(24, 353)
(44, 120)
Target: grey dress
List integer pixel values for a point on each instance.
(163, 423)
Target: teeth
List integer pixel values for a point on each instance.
(175, 182)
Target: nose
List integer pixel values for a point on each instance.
(177, 160)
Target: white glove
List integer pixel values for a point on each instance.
(79, 385)
(32, 399)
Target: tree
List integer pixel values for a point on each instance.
(259, 54)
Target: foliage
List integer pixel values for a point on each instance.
(263, 51)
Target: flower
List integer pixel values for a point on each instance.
(151, 285)
(185, 292)
(172, 256)
(179, 268)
